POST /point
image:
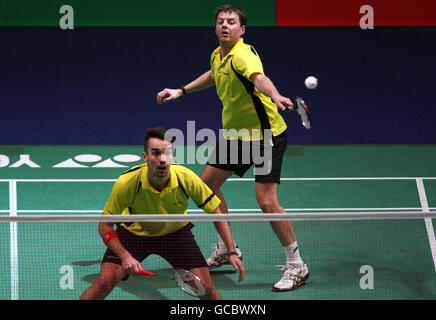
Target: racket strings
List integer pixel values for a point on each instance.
(303, 112)
(190, 283)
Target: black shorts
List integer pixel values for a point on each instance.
(238, 156)
(179, 248)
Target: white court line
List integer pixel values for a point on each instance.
(234, 179)
(60, 180)
(64, 211)
(245, 210)
(339, 178)
(13, 239)
(428, 222)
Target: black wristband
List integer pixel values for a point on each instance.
(232, 253)
(183, 90)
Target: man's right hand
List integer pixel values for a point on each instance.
(130, 265)
(167, 95)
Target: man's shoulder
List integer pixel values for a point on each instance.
(186, 176)
(244, 49)
(134, 170)
(216, 51)
(182, 170)
(131, 175)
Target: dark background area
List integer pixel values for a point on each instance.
(98, 85)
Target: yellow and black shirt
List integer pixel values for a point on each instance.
(244, 106)
(132, 193)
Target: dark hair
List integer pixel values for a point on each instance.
(230, 8)
(159, 133)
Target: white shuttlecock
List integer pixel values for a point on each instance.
(311, 82)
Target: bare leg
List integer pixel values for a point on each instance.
(214, 178)
(266, 195)
(204, 275)
(110, 275)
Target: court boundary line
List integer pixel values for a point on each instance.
(427, 221)
(245, 210)
(13, 239)
(338, 178)
(233, 179)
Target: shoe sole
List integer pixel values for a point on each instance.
(299, 284)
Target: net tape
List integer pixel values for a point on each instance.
(301, 216)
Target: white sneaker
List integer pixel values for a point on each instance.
(292, 278)
(220, 257)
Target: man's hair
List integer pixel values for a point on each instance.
(159, 133)
(230, 8)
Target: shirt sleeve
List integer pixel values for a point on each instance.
(247, 62)
(212, 69)
(119, 199)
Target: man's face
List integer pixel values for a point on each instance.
(228, 28)
(159, 157)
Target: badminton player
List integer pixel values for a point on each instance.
(157, 187)
(250, 102)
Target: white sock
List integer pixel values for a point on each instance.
(293, 255)
(222, 245)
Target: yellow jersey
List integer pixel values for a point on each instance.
(132, 193)
(245, 108)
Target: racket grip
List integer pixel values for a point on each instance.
(145, 272)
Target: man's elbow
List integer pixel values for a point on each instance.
(257, 77)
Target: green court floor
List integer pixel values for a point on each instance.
(362, 259)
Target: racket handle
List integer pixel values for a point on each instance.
(287, 108)
(145, 272)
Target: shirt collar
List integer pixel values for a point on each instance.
(240, 42)
(236, 46)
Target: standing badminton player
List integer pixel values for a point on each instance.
(250, 101)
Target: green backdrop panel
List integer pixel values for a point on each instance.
(129, 13)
